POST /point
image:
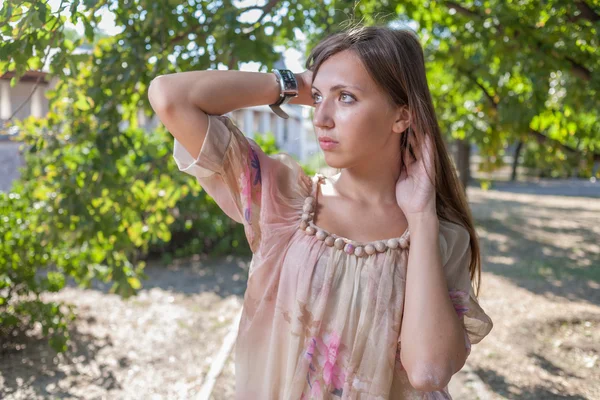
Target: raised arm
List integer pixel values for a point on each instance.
(182, 100)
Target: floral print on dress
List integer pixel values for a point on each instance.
(255, 164)
(250, 181)
(460, 299)
(323, 355)
(293, 268)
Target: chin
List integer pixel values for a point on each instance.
(335, 162)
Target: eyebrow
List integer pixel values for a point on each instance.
(340, 86)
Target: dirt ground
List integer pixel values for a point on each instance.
(158, 345)
(541, 263)
(541, 255)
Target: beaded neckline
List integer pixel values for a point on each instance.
(359, 249)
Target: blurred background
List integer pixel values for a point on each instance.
(120, 278)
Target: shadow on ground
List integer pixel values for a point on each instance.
(498, 384)
(548, 245)
(159, 342)
(223, 276)
(40, 370)
(545, 187)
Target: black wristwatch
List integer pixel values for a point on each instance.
(289, 89)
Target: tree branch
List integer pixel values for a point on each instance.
(540, 137)
(39, 79)
(462, 10)
(266, 10)
(577, 68)
(586, 12)
(470, 75)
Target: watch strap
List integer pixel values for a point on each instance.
(288, 90)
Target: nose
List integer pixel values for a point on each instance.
(322, 115)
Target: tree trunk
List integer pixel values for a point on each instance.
(515, 164)
(463, 156)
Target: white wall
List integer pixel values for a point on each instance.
(10, 161)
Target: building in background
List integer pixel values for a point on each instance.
(294, 135)
(20, 101)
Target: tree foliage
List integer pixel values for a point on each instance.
(506, 71)
(99, 193)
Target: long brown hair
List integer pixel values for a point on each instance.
(394, 59)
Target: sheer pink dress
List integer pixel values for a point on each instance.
(319, 321)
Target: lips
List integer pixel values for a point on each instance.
(326, 139)
(327, 143)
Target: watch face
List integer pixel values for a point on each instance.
(288, 79)
(288, 82)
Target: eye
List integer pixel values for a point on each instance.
(342, 95)
(313, 96)
(348, 96)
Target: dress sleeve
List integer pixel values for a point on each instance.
(456, 257)
(230, 168)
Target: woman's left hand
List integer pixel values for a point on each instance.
(415, 193)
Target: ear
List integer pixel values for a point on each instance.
(402, 121)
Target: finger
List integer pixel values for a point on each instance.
(428, 153)
(408, 154)
(426, 149)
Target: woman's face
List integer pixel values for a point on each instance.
(353, 111)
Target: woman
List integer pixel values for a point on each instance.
(336, 304)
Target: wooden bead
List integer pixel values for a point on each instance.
(329, 240)
(380, 247)
(359, 251)
(303, 225)
(321, 235)
(392, 243)
(349, 248)
(339, 243)
(403, 243)
(370, 249)
(311, 230)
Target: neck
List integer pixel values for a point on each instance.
(369, 184)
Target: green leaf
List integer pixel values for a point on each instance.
(68, 44)
(89, 30)
(82, 103)
(42, 14)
